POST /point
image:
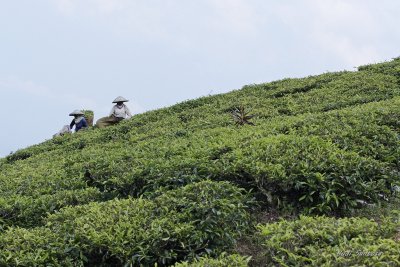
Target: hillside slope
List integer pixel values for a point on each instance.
(185, 181)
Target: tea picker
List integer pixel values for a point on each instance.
(79, 120)
(119, 112)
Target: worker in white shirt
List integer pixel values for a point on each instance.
(119, 112)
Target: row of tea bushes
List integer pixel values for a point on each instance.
(310, 173)
(319, 93)
(224, 259)
(324, 241)
(390, 68)
(200, 219)
(29, 212)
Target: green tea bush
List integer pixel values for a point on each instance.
(122, 232)
(34, 247)
(215, 208)
(324, 241)
(293, 86)
(351, 89)
(200, 219)
(391, 68)
(364, 131)
(311, 173)
(39, 175)
(223, 260)
(18, 155)
(29, 212)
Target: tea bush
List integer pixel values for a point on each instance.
(34, 247)
(323, 241)
(122, 231)
(391, 68)
(312, 174)
(223, 260)
(135, 231)
(28, 212)
(216, 210)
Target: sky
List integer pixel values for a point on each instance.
(60, 55)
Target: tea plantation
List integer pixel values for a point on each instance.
(296, 172)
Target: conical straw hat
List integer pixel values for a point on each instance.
(120, 99)
(76, 112)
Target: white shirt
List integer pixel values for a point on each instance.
(121, 111)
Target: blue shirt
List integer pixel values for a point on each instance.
(80, 125)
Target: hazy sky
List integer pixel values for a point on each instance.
(61, 55)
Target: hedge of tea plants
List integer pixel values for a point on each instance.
(203, 218)
(223, 260)
(323, 241)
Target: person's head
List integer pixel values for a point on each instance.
(120, 103)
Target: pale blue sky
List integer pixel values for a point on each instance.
(61, 55)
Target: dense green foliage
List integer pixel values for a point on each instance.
(222, 260)
(322, 241)
(324, 144)
(201, 218)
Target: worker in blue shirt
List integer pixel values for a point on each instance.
(79, 121)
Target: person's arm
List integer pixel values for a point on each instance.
(72, 124)
(84, 123)
(128, 112)
(112, 111)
